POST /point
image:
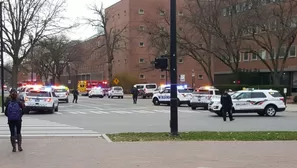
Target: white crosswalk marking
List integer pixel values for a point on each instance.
(42, 128)
(99, 112)
(143, 111)
(162, 111)
(121, 112)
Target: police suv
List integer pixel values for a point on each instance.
(42, 99)
(203, 96)
(61, 93)
(163, 97)
(263, 102)
(96, 92)
(116, 91)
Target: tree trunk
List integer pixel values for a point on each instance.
(276, 78)
(15, 73)
(109, 70)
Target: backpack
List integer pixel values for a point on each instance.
(14, 111)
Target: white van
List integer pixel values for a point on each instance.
(146, 90)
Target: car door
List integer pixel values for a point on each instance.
(165, 96)
(242, 101)
(258, 98)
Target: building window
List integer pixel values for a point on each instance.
(162, 29)
(125, 13)
(180, 60)
(282, 52)
(200, 77)
(141, 27)
(125, 61)
(162, 12)
(141, 60)
(292, 52)
(141, 44)
(141, 76)
(141, 11)
(162, 76)
(245, 56)
(254, 56)
(262, 54)
(180, 13)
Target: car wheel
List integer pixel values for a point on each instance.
(52, 110)
(122, 97)
(193, 107)
(57, 109)
(90, 96)
(26, 111)
(156, 101)
(143, 97)
(189, 104)
(270, 111)
(178, 102)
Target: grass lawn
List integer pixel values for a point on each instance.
(205, 136)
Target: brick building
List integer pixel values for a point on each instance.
(137, 56)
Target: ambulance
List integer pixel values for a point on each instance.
(85, 86)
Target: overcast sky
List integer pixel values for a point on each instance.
(77, 10)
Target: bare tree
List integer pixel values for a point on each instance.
(189, 40)
(273, 28)
(224, 27)
(24, 18)
(58, 54)
(113, 38)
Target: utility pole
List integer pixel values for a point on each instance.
(2, 50)
(173, 71)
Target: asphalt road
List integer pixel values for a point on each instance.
(91, 116)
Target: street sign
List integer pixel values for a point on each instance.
(69, 81)
(285, 90)
(182, 78)
(116, 81)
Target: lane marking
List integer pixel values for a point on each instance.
(106, 138)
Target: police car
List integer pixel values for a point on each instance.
(62, 93)
(263, 102)
(163, 97)
(96, 92)
(116, 91)
(41, 99)
(202, 97)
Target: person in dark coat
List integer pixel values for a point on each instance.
(134, 92)
(75, 95)
(227, 104)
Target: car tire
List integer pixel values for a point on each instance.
(90, 97)
(52, 110)
(219, 114)
(156, 101)
(270, 111)
(178, 103)
(111, 97)
(205, 108)
(193, 107)
(57, 109)
(122, 97)
(26, 111)
(189, 104)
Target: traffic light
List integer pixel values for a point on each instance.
(161, 63)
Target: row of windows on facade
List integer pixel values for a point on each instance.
(247, 5)
(272, 26)
(141, 12)
(245, 56)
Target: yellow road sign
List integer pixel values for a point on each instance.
(116, 81)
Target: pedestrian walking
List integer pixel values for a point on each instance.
(227, 104)
(14, 112)
(75, 95)
(134, 92)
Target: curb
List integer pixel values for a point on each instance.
(106, 138)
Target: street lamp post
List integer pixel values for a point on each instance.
(2, 50)
(173, 71)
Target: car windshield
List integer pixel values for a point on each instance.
(202, 92)
(139, 86)
(118, 88)
(38, 94)
(184, 91)
(235, 94)
(60, 90)
(150, 86)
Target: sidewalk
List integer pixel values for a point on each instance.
(94, 153)
(291, 108)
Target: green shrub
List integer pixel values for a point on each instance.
(126, 81)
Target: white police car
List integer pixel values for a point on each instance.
(41, 100)
(116, 91)
(203, 96)
(96, 92)
(61, 93)
(263, 102)
(163, 97)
